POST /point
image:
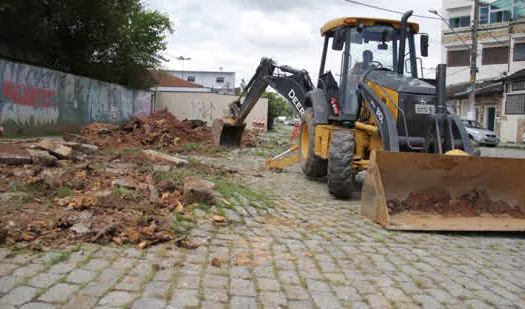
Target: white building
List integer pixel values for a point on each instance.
(501, 53)
(222, 82)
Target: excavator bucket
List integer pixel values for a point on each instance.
(418, 191)
(226, 133)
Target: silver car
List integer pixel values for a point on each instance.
(479, 134)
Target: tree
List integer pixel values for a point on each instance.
(113, 40)
(277, 106)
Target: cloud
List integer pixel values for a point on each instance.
(236, 34)
(276, 31)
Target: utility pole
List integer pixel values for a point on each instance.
(182, 58)
(471, 114)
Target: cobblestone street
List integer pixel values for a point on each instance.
(306, 251)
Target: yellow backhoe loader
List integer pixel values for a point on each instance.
(382, 116)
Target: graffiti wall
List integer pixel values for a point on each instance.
(39, 100)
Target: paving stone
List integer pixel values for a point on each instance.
(7, 268)
(164, 275)
(213, 305)
(28, 270)
(272, 299)
(300, 304)
(96, 264)
(149, 303)
(44, 280)
(216, 295)
(182, 297)
(241, 302)
(37, 305)
(18, 296)
(188, 282)
(347, 293)
(81, 302)
(377, 301)
(240, 272)
(157, 289)
(324, 301)
(59, 293)
(96, 288)
(241, 287)
(266, 284)
(110, 275)
(9, 282)
(318, 286)
(130, 283)
(79, 276)
(117, 298)
(61, 268)
(289, 277)
(214, 281)
(296, 292)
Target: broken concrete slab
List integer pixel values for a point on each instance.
(75, 138)
(56, 148)
(85, 148)
(42, 157)
(199, 190)
(6, 197)
(126, 182)
(155, 155)
(52, 178)
(15, 159)
(120, 168)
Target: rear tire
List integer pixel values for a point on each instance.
(311, 165)
(340, 174)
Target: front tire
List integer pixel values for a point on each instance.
(311, 165)
(340, 174)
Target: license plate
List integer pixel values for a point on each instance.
(425, 109)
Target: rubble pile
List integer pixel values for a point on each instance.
(57, 192)
(472, 203)
(160, 129)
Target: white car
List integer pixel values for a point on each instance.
(479, 134)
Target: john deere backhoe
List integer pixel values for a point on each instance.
(380, 115)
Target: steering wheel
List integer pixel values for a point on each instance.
(378, 64)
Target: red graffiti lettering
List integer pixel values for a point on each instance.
(23, 95)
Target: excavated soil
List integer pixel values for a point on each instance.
(472, 203)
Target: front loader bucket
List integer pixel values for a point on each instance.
(417, 191)
(226, 133)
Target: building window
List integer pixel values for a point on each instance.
(515, 104)
(495, 55)
(458, 58)
(518, 84)
(519, 52)
(461, 21)
(191, 78)
(501, 11)
(219, 80)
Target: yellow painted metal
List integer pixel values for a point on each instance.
(323, 137)
(370, 129)
(305, 141)
(354, 21)
(282, 162)
(393, 176)
(386, 98)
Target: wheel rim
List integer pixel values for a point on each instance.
(305, 141)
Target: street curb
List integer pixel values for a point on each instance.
(512, 146)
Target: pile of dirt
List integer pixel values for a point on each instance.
(472, 203)
(160, 130)
(101, 196)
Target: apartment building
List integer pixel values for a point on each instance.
(500, 91)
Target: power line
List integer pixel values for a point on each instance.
(389, 10)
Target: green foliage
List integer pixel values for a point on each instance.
(61, 257)
(112, 40)
(277, 106)
(63, 192)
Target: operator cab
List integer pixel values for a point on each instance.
(356, 47)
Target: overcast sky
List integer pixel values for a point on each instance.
(235, 34)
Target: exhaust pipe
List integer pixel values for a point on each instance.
(402, 42)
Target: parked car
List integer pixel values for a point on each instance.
(292, 122)
(479, 134)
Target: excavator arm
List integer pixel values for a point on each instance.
(291, 83)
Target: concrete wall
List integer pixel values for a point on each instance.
(205, 106)
(39, 100)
